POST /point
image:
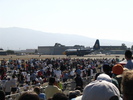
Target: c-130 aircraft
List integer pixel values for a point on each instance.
(82, 52)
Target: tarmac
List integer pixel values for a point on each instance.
(27, 57)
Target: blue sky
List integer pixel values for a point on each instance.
(103, 19)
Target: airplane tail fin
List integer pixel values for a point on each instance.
(96, 45)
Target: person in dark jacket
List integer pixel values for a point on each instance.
(2, 95)
(79, 81)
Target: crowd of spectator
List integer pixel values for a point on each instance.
(104, 76)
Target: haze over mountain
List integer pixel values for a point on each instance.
(20, 38)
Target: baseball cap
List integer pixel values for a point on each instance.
(100, 90)
(117, 69)
(104, 77)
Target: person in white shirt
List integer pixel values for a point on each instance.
(26, 87)
(28, 78)
(72, 74)
(14, 84)
(7, 87)
(58, 74)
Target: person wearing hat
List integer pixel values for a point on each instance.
(104, 77)
(101, 90)
(107, 70)
(117, 71)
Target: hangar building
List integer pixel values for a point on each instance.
(57, 49)
(2, 52)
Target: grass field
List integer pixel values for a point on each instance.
(26, 57)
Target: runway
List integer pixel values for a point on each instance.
(27, 57)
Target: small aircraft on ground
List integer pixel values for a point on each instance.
(82, 52)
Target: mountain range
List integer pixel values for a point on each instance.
(15, 38)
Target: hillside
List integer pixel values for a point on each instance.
(21, 38)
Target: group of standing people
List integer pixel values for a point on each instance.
(112, 85)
